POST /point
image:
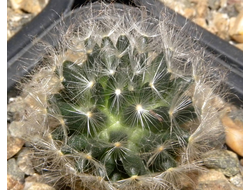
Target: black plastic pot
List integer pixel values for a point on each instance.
(20, 58)
(20, 47)
(224, 54)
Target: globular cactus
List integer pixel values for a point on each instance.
(125, 101)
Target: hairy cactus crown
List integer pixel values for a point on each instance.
(123, 103)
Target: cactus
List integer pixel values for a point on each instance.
(123, 102)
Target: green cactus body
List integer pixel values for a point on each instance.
(118, 112)
(124, 100)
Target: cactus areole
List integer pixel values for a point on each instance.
(123, 102)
